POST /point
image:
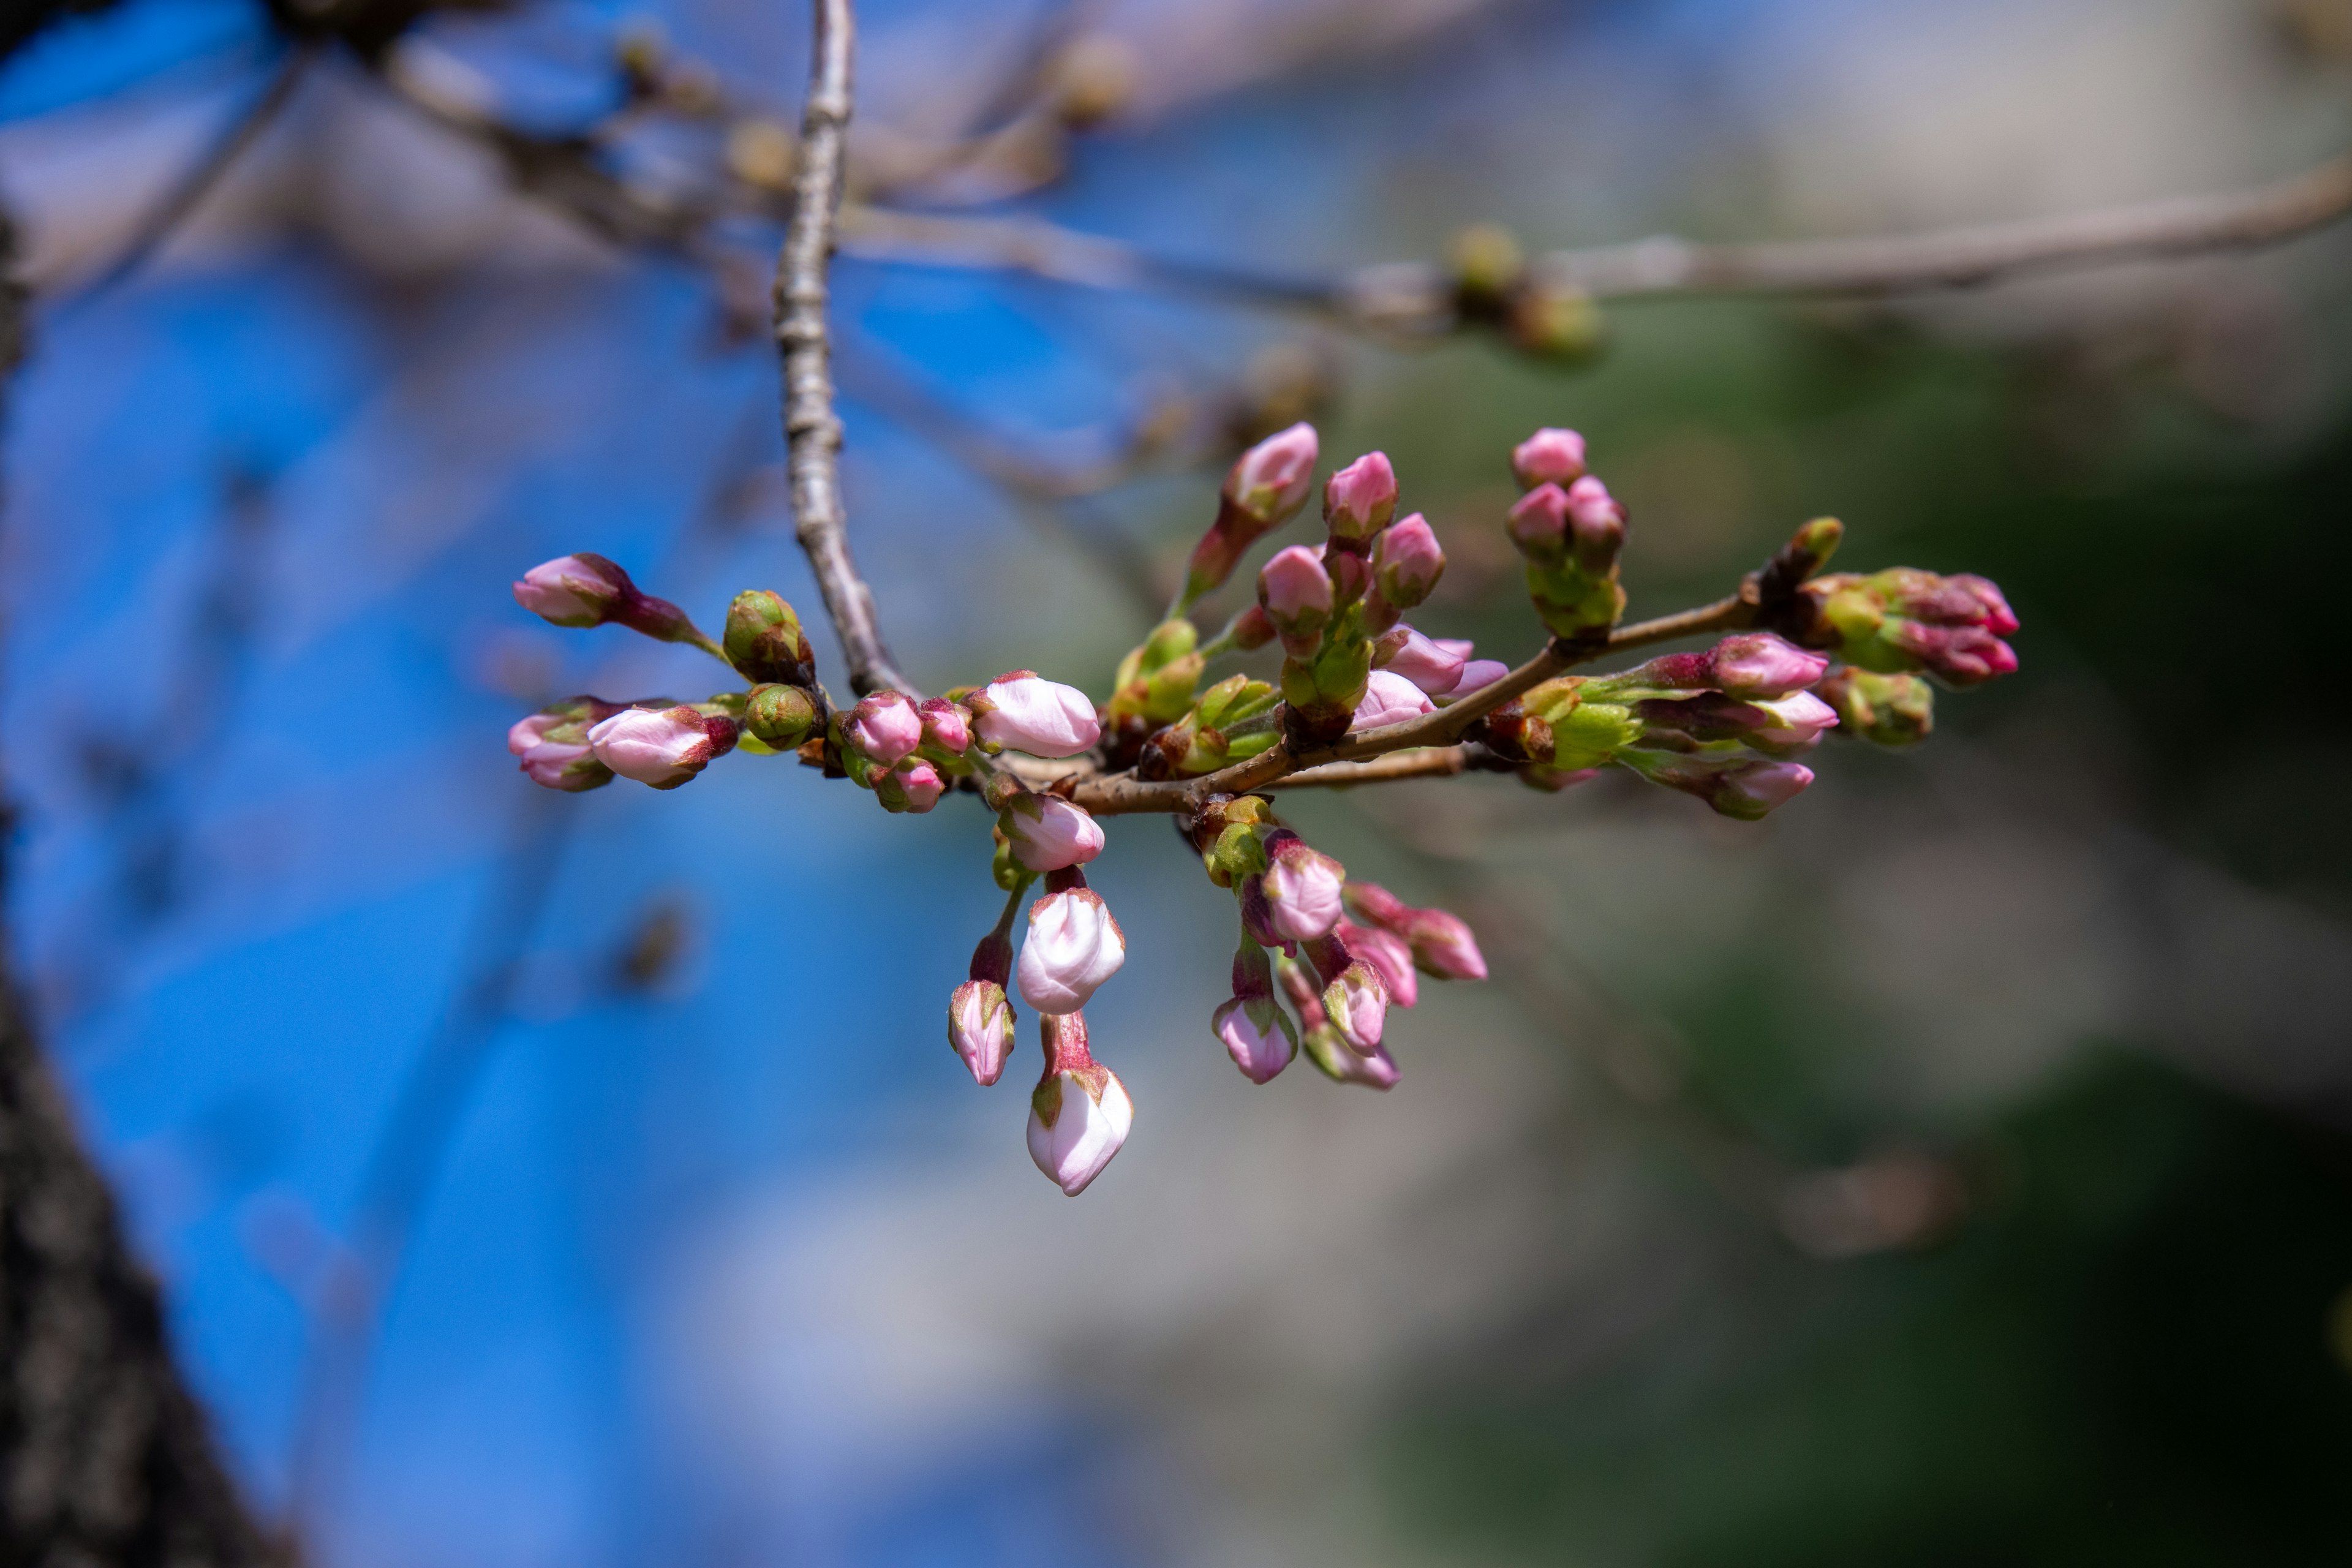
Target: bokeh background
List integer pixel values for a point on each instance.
(1952, 1169)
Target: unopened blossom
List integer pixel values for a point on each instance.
(1388, 954)
(1407, 562)
(1538, 523)
(1477, 673)
(582, 590)
(662, 747)
(782, 716)
(913, 787)
(552, 745)
(1073, 946)
(1079, 1115)
(1904, 619)
(1433, 666)
(764, 642)
(1374, 1069)
(1356, 1003)
(1047, 833)
(1759, 664)
(1021, 711)
(883, 728)
(947, 726)
(1797, 722)
(1885, 710)
(1596, 523)
(1360, 499)
(1442, 943)
(1551, 456)
(1744, 788)
(1301, 887)
(1390, 698)
(980, 1029)
(1265, 489)
(1253, 1028)
(1295, 592)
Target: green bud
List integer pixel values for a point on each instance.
(1586, 736)
(779, 715)
(764, 641)
(1156, 679)
(1817, 541)
(1887, 710)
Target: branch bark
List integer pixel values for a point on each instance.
(812, 428)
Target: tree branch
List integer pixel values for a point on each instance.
(812, 428)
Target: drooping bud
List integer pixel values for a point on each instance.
(1433, 666)
(1356, 1003)
(587, 590)
(1886, 709)
(1549, 456)
(779, 716)
(1255, 1031)
(882, 728)
(1407, 562)
(1074, 945)
(1047, 833)
(1302, 888)
(1330, 1053)
(1080, 1114)
(1744, 788)
(1442, 943)
(1265, 489)
(1021, 711)
(662, 747)
(980, 1029)
(1390, 698)
(552, 745)
(1360, 499)
(1295, 593)
(1388, 954)
(764, 641)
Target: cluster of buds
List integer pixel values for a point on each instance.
(1321, 961)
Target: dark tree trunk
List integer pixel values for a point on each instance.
(105, 1456)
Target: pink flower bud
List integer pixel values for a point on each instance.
(1433, 666)
(1797, 722)
(552, 745)
(1252, 629)
(1021, 711)
(1407, 562)
(1390, 698)
(581, 590)
(946, 726)
(1443, 946)
(1080, 1114)
(1074, 945)
(1760, 664)
(1549, 456)
(1358, 1005)
(662, 747)
(914, 786)
(1302, 888)
(1271, 481)
(1257, 1035)
(980, 1029)
(1596, 524)
(1295, 592)
(1358, 500)
(1964, 656)
(1538, 523)
(1374, 1069)
(1376, 906)
(1993, 612)
(883, 728)
(1751, 789)
(1477, 673)
(1389, 955)
(1047, 833)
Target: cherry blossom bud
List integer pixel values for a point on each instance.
(1360, 499)
(1549, 456)
(1407, 562)
(1442, 943)
(947, 728)
(764, 641)
(1256, 1032)
(914, 786)
(1388, 954)
(1885, 710)
(1358, 1005)
(1265, 489)
(1295, 592)
(662, 747)
(582, 590)
(980, 1029)
(1759, 664)
(1904, 619)
(1477, 673)
(1252, 629)
(1023, 712)
(1745, 789)
(1964, 656)
(780, 716)
(1596, 524)
(1302, 888)
(1390, 698)
(1432, 665)
(1080, 1113)
(1047, 833)
(1074, 945)
(1538, 523)
(552, 745)
(1373, 1070)
(1797, 722)
(883, 728)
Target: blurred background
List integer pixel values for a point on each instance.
(1952, 1169)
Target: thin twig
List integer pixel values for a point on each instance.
(196, 182)
(1429, 762)
(812, 428)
